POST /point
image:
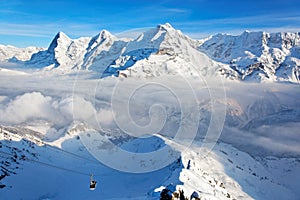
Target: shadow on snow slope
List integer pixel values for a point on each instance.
(47, 172)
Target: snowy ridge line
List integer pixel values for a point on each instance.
(53, 166)
(38, 142)
(213, 179)
(8, 134)
(9, 52)
(208, 178)
(47, 164)
(14, 132)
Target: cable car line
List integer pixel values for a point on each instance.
(70, 153)
(57, 167)
(47, 164)
(57, 149)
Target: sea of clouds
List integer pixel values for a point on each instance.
(248, 115)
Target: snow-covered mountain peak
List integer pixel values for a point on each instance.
(166, 27)
(60, 39)
(104, 34)
(12, 53)
(157, 37)
(61, 34)
(257, 55)
(171, 31)
(160, 51)
(63, 53)
(100, 38)
(158, 34)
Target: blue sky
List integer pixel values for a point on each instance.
(35, 22)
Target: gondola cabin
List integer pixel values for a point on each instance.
(92, 183)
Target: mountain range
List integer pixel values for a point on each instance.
(250, 56)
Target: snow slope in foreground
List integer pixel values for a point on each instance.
(48, 172)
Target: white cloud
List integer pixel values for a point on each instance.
(175, 10)
(83, 110)
(26, 107)
(35, 106)
(105, 117)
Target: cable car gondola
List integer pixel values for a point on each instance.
(92, 183)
